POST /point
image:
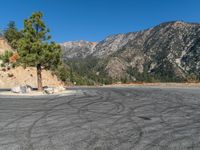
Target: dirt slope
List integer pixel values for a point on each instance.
(4, 46)
(21, 76)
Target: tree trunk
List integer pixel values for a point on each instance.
(39, 77)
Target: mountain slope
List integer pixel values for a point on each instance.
(167, 52)
(77, 49)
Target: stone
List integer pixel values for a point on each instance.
(59, 89)
(49, 90)
(29, 88)
(52, 90)
(22, 89)
(16, 89)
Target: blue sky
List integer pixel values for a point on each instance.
(93, 20)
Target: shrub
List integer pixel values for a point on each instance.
(6, 57)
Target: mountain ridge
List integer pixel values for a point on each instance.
(135, 32)
(169, 51)
(72, 48)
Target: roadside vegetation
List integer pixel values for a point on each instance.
(32, 46)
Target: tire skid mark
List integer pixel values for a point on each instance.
(105, 119)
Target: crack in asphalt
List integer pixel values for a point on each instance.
(103, 119)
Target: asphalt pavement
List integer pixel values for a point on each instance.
(103, 119)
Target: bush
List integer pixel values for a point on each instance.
(192, 78)
(6, 57)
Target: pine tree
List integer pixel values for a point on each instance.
(12, 34)
(34, 47)
(1, 33)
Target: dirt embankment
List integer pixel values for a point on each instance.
(4, 46)
(20, 76)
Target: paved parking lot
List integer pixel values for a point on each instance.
(103, 119)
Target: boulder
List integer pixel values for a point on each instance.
(52, 90)
(49, 90)
(22, 89)
(29, 88)
(59, 89)
(16, 89)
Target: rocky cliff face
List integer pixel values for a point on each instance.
(169, 51)
(77, 49)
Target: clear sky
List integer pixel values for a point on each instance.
(93, 20)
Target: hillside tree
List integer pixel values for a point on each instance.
(35, 48)
(1, 33)
(11, 34)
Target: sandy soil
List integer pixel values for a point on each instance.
(20, 76)
(4, 46)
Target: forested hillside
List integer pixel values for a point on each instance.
(169, 52)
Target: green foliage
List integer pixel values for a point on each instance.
(87, 72)
(34, 47)
(165, 72)
(135, 75)
(12, 34)
(72, 71)
(1, 33)
(192, 78)
(6, 57)
(63, 72)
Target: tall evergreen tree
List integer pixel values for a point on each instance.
(12, 34)
(1, 33)
(34, 47)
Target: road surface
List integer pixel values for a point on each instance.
(103, 119)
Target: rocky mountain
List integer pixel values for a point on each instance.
(167, 52)
(77, 49)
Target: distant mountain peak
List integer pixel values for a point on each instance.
(169, 51)
(78, 49)
(179, 23)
